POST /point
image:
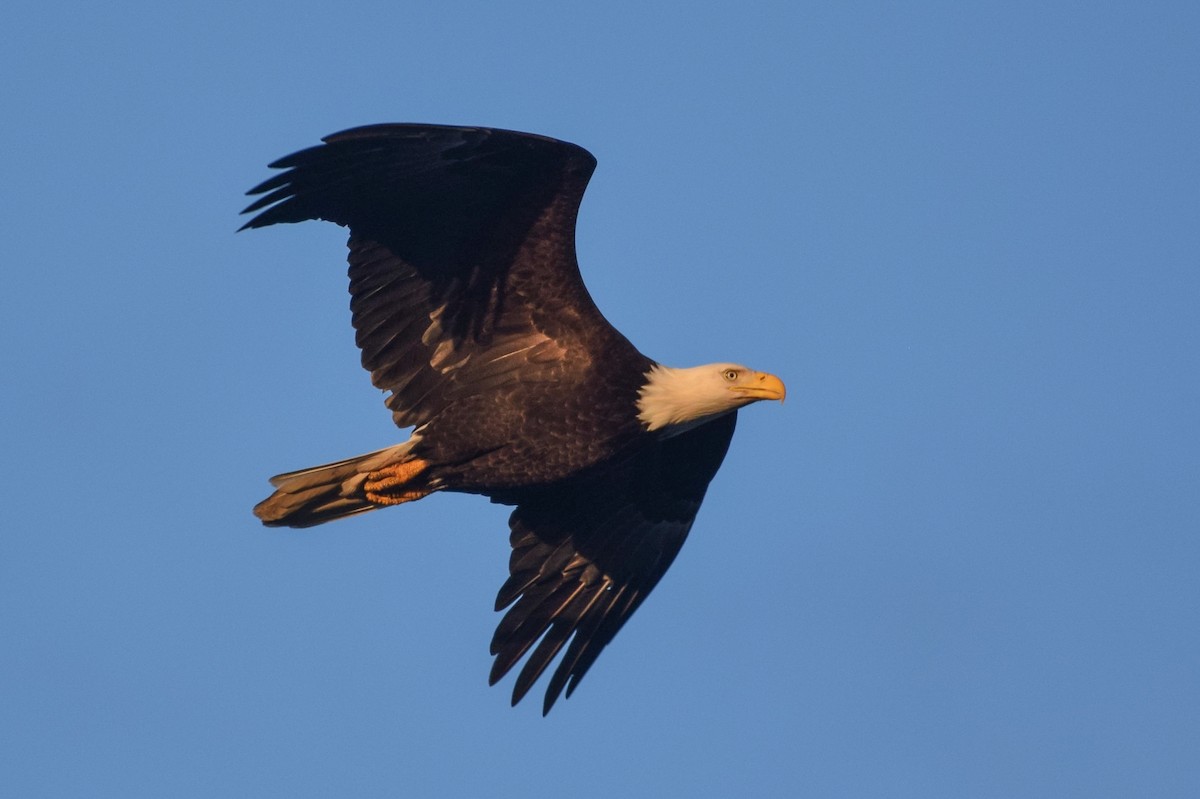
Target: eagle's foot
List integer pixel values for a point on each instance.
(392, 485)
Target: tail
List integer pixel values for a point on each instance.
(345, 488)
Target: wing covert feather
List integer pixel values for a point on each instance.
(587, 552)
(463, 273)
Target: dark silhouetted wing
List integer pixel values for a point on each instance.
(463, 275)
(588, 551)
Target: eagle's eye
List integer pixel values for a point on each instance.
(731, 375)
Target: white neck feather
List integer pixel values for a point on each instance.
(680, 398)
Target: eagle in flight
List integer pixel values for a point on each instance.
(470, 311)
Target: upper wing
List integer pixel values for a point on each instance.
(586, 554)
(463, 272)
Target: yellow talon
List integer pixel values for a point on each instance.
(381, 486)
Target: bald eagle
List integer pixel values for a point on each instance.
(470, 311)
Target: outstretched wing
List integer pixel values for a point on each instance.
(463, 273)
(587, 552)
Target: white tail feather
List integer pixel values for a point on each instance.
(321, 494)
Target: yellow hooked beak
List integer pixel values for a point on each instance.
(761, 386)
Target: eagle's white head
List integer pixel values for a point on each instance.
(680, 399)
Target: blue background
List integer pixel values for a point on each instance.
(959, 561)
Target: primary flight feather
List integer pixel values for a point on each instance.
(470, 311)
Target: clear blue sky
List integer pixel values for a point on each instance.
(961, 561)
